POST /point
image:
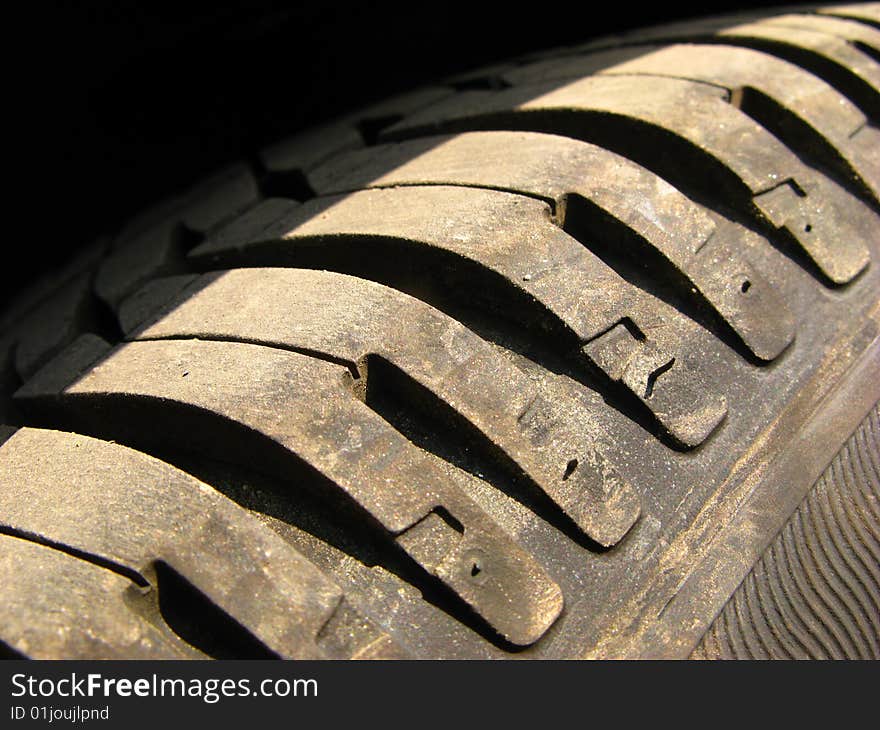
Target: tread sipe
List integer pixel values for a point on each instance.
(575, 356)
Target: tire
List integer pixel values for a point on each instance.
(576, 356)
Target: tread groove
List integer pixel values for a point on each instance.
(784, 567)
(132, 409)
(858, 579)
(791, 624)
(524, 313)
(836, 583)
(402, 402)
(817, 584)
(114, 567)
(686, 150)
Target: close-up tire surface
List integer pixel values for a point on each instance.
(574, 356)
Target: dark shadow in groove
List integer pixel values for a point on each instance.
(434, 426)
(644, 267)
(333, 523)
(480, 299)
(291, 183)
(92, 315)
(858, 91)
(867, 50)
(371, 127)
(6, 432)
(8, 653)
(98, 560)
(201, 624)
(837, 75)
(621, 399)
(697, 175)
(340, 526)
(101, 320)
(456, 292)
(183, 240)
(856, 19)
(453, 284)
(810, 146)
(297, 493)
(336, 524)
(186, 239)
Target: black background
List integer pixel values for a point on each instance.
(111, 105)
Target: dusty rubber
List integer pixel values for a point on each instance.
(575, 356)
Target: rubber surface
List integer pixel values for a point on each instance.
(571, 357)
(814, 592)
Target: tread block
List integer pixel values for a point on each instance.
(219, 197)
(298, 410)
(709, 254)
(57, 606)
(139, 306)
(152, 252)
(155, 243)
(119, 505)
(836, 59)
(47, 317)
(865, 12)
(289, 308)
(375, 117)
(491, 76)
(848, 30)
(575, 66)
(722, 148)
(306, 150)
(820, 107)
(44, 330)
(535, 260)
(53, 324)
(86, 259)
